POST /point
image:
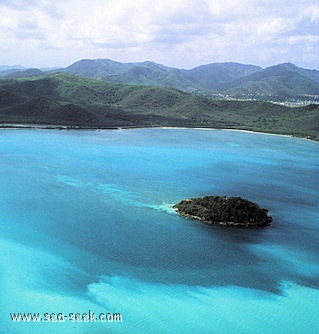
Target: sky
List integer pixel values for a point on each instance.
(177, 33)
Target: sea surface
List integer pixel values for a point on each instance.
(86, 223)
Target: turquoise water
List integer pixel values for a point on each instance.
(86, 224)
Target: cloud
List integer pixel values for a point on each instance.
(181, 33)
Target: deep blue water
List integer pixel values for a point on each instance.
(86, 223)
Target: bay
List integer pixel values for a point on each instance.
(86, 224)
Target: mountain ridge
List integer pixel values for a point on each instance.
(229, 79)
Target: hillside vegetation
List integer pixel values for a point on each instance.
(70, 100)
(232, 79)
(279, 82)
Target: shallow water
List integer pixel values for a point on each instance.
(86, 224)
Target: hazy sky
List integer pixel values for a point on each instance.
(176, 33)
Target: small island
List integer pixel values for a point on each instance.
(225, 211)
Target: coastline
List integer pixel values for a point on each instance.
(238, 130)
(34, 126)
(52, 127)
(220, 223)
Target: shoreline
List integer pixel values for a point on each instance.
(238, 130)
(33, 126)
(222, 223)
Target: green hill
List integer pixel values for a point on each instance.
(205, 77)
(143, 73)
(63, 99)
(30, 72)
(284, 80)
(96, 68)
(280, 82)
(232, 79)
(214, 76)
